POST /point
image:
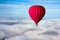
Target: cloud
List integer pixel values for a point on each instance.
(52, 33)
(2, 35)
(23, 37)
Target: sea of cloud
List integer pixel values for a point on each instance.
(48, 29)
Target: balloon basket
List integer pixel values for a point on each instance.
(36, 24)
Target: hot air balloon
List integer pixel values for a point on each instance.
(36, 12)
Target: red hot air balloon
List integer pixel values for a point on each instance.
(36, 12)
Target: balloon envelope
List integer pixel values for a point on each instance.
(36, 12)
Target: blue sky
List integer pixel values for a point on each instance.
(19, 8)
